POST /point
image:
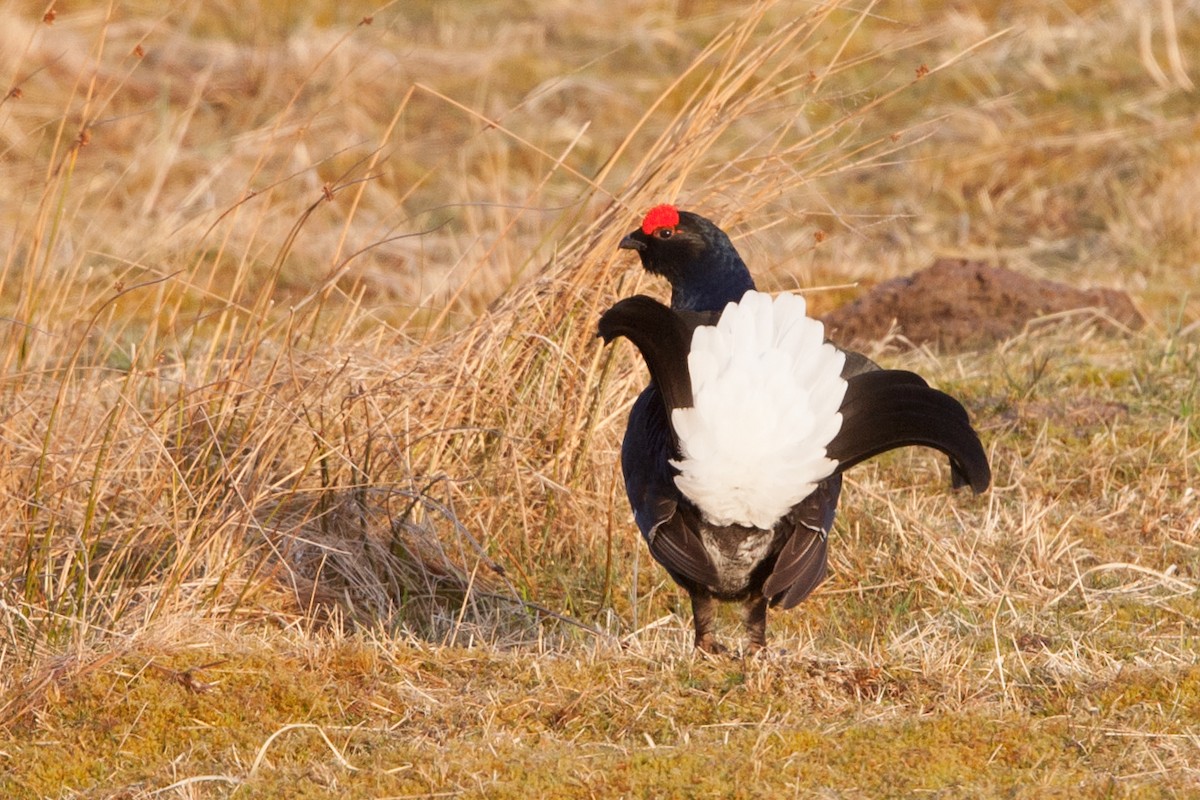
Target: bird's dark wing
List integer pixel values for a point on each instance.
(666, 520)
(885, 409)
(801, 565)
(676, 546)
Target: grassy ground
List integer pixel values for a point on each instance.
(308, 470)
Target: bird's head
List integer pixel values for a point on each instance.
(694, 255)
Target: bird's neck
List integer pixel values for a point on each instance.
(712, 287)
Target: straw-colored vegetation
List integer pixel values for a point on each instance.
(308, 454)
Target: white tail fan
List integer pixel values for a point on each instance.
(766, 390)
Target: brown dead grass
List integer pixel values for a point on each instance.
(306, 438)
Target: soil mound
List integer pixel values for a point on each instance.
(958, 304)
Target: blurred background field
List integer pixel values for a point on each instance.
(308, 453)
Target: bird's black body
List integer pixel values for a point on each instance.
(881, 410)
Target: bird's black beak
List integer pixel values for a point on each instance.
(630, 243)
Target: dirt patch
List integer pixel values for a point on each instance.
(958, 304)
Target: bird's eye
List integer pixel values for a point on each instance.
(664, 233)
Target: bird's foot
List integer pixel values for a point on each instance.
(755, 649)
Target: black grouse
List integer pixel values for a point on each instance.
(733, 454)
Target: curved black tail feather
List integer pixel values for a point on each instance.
(663, 338)
(887, 409)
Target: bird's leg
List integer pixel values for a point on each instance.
(756, 622)
(704, 609)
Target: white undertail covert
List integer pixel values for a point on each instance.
(766, 389)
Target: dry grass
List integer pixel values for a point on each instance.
(309, 477)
